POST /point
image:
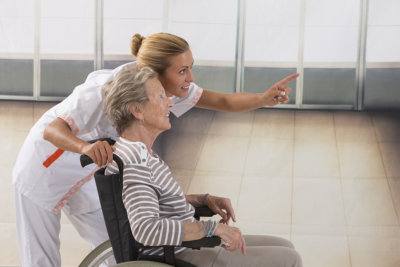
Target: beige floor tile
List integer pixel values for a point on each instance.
(368, 202)
(260, 228)
(360, 160)
(196, 121)
(314, 125)
(391, 158)
(9, 255)
(7, 209)
(353, 126)
(217, 185)
(270, 157)
(374, 251)
(374, 231)
(327, 251)
(320, 230)
(73, 248)
(183, 177)
(317, 159)
(318, 202)
(39, 108)
(274, 124)
(224, 154)
(265, 199)
(387, 125)
(183, 150)
(16, 115)
(394, 184)
(10, 143)
(232, 124)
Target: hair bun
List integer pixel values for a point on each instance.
(136, 43)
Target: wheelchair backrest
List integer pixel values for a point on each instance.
(109, 188)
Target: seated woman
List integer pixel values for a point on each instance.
(158, 211)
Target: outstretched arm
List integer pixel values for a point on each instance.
(238, 102)
(60, 134)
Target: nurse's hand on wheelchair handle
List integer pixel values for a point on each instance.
(101, 152)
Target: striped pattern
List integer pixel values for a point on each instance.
(155, 203)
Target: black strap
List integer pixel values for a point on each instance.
(169, 255)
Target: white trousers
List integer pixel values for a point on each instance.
(38, 231)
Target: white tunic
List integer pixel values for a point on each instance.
(50, 176)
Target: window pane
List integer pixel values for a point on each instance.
(16, 47)
(66, 45)
(271, 43)
(211, 34)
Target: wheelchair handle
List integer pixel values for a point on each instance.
(86, 160)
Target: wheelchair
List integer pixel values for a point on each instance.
(122, 245)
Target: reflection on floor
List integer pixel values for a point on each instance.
(327, 180)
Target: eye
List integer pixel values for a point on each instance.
(182, 71)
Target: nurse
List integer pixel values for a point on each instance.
(47, 175)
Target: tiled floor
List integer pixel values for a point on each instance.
(327, 180)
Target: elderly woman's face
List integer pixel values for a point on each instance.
(177, 78)
(156, 111)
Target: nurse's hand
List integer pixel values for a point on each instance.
(100, 152)
(279, 92)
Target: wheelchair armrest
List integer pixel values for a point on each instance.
(205, 242)
(203, 211)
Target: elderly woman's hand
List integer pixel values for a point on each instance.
(232, 238)
(221, 206)
(279, 92)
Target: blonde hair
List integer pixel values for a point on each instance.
(157, 49)
(126, 89)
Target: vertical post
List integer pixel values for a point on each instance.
(300, 54)
(362, 43)
(98, 32)
(36, 50)
(240, 36)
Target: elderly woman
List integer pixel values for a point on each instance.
(158, 211)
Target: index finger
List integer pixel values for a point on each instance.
(230, 212)
(289, 78)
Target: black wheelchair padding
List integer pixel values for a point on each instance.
(125, 248)
(109, 188)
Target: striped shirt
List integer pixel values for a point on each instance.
(154, 201)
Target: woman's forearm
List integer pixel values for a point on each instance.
(59, 134)
(192, 231)
(237, 102)
(196, 200)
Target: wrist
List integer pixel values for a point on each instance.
(204, 199)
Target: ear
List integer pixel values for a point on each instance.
(137, 112)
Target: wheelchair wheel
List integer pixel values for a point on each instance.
(99, 255)
(104, 252)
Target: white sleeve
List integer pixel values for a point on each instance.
(182, 105)
(83, 109)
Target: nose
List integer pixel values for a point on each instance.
(190, 76)
(170, 103)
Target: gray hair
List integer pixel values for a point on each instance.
(127, 89)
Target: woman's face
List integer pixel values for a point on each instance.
(156, 111)
(177, 78)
